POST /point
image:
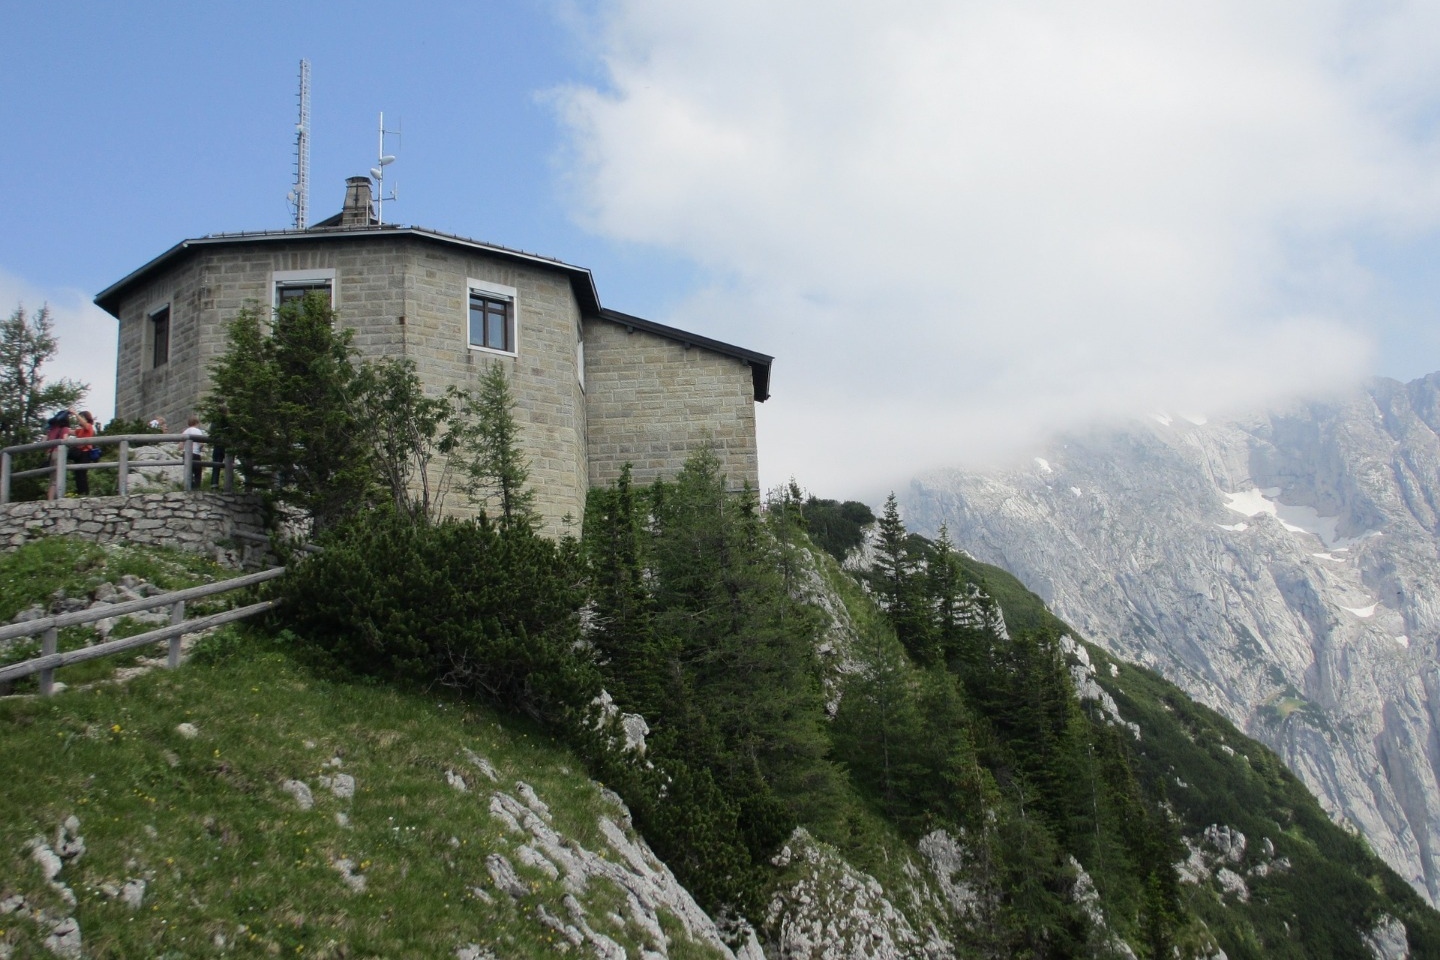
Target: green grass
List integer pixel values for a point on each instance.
(43, 569)
(228, 854)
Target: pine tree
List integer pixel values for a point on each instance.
(27, 343)
(488, 451)
(640, 666)
(900, 586)
(288, 396)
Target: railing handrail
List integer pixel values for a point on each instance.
(105, 440)
(61, 466)
(29, 628)
(51, 658)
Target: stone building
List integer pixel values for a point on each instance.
(595, 389)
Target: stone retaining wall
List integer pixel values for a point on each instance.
(211, 524)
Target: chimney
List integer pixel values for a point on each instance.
(357, 211)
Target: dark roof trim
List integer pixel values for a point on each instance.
(580, 278)
(581, 282)
(759, 362)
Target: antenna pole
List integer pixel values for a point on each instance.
(300, 195)
(377, 173)
(380, 194)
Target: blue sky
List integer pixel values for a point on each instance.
(956, 226)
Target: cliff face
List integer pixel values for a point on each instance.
(1281, 567)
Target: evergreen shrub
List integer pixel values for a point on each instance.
(460, 603)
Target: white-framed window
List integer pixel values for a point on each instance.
(295, 284)
(492, 323)
(157, 334)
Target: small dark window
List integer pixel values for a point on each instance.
(160, 337)
(491, 322)
(285, 292)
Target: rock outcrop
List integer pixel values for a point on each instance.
(1283, 568)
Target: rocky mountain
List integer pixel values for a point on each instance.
(1281, 567)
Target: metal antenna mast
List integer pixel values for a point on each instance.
(300, 194)
(377, 172)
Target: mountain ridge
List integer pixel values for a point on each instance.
(1281, 567)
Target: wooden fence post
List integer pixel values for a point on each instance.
(177, 615)
(49, 645)
(122, 485)
(62, 457)
(5, 469)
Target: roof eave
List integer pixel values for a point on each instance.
(759, 362)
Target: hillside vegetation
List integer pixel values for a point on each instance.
(906, 758)
(818, 735)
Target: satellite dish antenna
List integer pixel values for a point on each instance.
(377, 173)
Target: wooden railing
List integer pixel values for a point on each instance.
(49, 628)
(60, 465)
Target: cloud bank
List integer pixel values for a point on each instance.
(959, 226)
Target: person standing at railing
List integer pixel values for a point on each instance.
(219, 428)
(87, 453)
(192, 429)
(58, 428)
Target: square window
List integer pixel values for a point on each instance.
(160, 337)
(491, 324)
(294, 285)
(290, 291)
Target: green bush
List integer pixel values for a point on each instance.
(459, 603)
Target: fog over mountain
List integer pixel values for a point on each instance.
(1283, 567)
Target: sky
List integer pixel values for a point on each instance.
(958, 226)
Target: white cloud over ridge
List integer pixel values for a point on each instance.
(960, 226)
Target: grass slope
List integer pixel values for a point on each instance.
(232, 864)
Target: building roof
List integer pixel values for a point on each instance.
(759, 362)
(581, 280)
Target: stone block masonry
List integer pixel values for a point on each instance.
(213, 525)
(653, 403)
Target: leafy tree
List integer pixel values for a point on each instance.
(27, 343)
(289, 398)
(406, 431)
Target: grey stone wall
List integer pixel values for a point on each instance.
(653, 403)
(402, 296)
(646, 400)
(209, 524)
(544, 378)
(206, 290)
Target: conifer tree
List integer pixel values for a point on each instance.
(27, 343)
(900, 586)
(640, 666)
(488, 451)
(288, 397)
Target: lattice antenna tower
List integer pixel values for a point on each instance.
(300, 193)
(377, 173)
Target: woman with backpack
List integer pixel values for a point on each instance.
(58, 428)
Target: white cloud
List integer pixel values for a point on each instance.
(958, 226)
(86, 337)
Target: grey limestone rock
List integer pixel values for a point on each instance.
(1281, 567)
